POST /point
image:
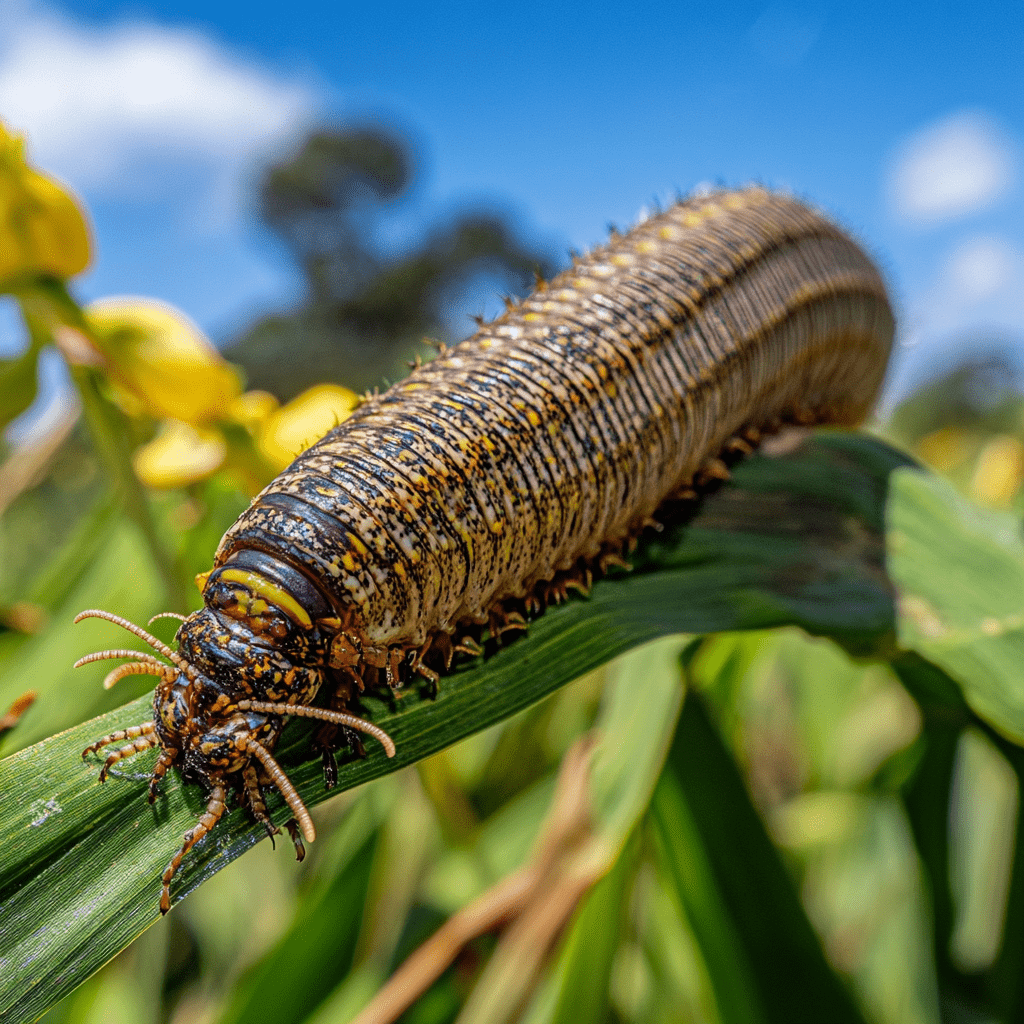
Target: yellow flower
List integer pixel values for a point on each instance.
(253, 409)
(42, 228)
(160, 363)
(179, 455)
(305, 419)
(999, 471)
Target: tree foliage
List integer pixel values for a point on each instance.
(366, 310)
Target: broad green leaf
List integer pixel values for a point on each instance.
(959, 570)
(79, 875)
(765, 961)
(794, 540)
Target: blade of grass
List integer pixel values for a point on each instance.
(585, 966)
(637, 719)
(289, 985)
(79, 876)
(1004, 981)
(743, 896)
(684, 863)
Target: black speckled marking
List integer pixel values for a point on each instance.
(548, 437)
(555, 430)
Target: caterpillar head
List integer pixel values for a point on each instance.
(246, 661)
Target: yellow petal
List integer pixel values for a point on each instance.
(43, 230)
(304, 420)
(999, 471)
(179, 455)
(253, 408)
(161, 363)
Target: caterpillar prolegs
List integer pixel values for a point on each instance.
(505, 470)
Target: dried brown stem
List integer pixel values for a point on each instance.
(534, 900)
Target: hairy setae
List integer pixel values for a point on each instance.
(503, 472)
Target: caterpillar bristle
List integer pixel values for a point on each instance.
(518, 466)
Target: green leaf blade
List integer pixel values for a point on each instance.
(959, 570)
(95, 866)
(781, 973)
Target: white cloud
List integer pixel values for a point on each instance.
(116, 109)
(977, 269)
(976, 296)
(958, 165)
(979, 285)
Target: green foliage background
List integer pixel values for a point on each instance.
(797, 724)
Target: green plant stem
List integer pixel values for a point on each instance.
(110, 437)
(47, 305)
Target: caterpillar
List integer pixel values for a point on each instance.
(498, 475)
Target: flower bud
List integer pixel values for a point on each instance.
(179, 455)
(42, 228)
(305, 419)
(160, 363)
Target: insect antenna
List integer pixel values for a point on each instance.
(144, 665)
(167, 615)
(324, 715)
(284, 786)
(157, 645)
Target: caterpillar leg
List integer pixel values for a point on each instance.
(283, 783)
(292, 827)
(442, 643)
(257, 804)
(142, 736)
(605, 562)
(164, 761)
(467, 645)
(214, 811)
(439, 644)
(330, 737)
(501, 621)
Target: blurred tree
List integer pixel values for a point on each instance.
(968, 423)
(365, 311)
(982, 390)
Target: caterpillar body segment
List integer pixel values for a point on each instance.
(563, 424)
(510, 468)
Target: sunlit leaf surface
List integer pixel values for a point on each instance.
(959, 570)
(794, 538)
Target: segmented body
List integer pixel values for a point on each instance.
(562, 425)
(540, 443)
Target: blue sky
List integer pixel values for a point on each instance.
(906, 121)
